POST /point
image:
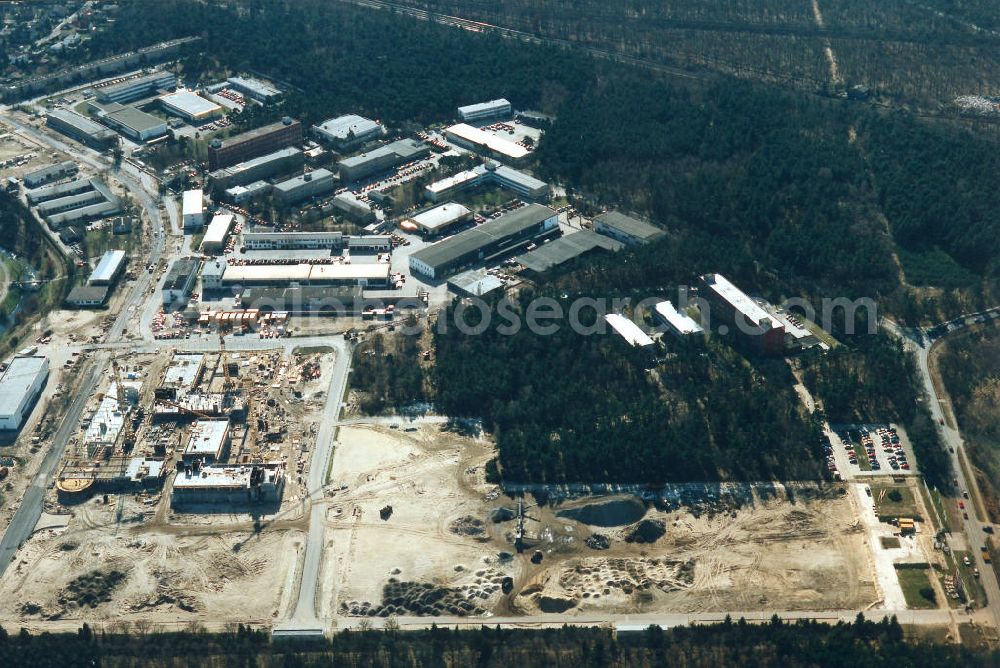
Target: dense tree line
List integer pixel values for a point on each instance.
(571, 407)
(387, 372)
(770, 645)
(970, 368)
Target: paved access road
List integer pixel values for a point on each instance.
(919, 342)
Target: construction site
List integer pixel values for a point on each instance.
(180, 492)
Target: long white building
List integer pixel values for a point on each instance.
(20, 386)
(481, 111)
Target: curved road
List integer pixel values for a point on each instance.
(920, 341)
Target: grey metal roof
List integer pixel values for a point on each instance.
(16, 381)
(87, 293)
(402, 150)
(50, 170)
(60, 190)
(301, 180)
(106, 269)
(566, 248)
(98, 210)
(341, 127)
(470, 241)
(475, 282)
(84, 125)
(511, 175)
(135, 119)
(180, 272)
(630, 226)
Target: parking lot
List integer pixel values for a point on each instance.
(871, 449)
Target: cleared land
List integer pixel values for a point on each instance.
(448, 544)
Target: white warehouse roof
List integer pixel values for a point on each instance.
(479, 137)
(189, 103)
(194, 202)
(16, 382)
(681, 322)
(218, 229)
(106, 269)
(628, 330)
(492, 105)
(341, 127)
(444, 214)
(737, 299)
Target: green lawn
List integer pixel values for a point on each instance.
(896, 501)
(917, 588)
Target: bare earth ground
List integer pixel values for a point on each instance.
(91, 572)
(439, 552)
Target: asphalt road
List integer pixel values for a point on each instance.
(24, 520)
(306, 608)
(918, 342)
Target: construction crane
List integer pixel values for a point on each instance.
(128, 437)
(227, 384)
(184, 409)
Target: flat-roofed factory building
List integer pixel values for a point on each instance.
(255, 89)
(311, 184)
(485, 143)
(626, 229)
(179, 281)
(677, 323)
(109, 268)
(254, 143)
(348, 131)
(483, 111)
(490, 173)
(506, 234)
(83, 130)
(565, 249)
(742, 315)
(214, 240)
(381, 159)
(137, 88)
(281, 161)
(20, 386)
(438, 220)
(190, 106)
(630, 332)
(131, 122)
(276, 275)
(43, 175)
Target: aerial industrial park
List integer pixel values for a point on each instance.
(183, 442)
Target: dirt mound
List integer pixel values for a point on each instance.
(502, 514)
(467, 526)
(424, 598)
(92, 589)
(646, 531)
(598, 541)
(614, 512)
(556, 603)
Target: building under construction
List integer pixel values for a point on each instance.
(238, 485)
